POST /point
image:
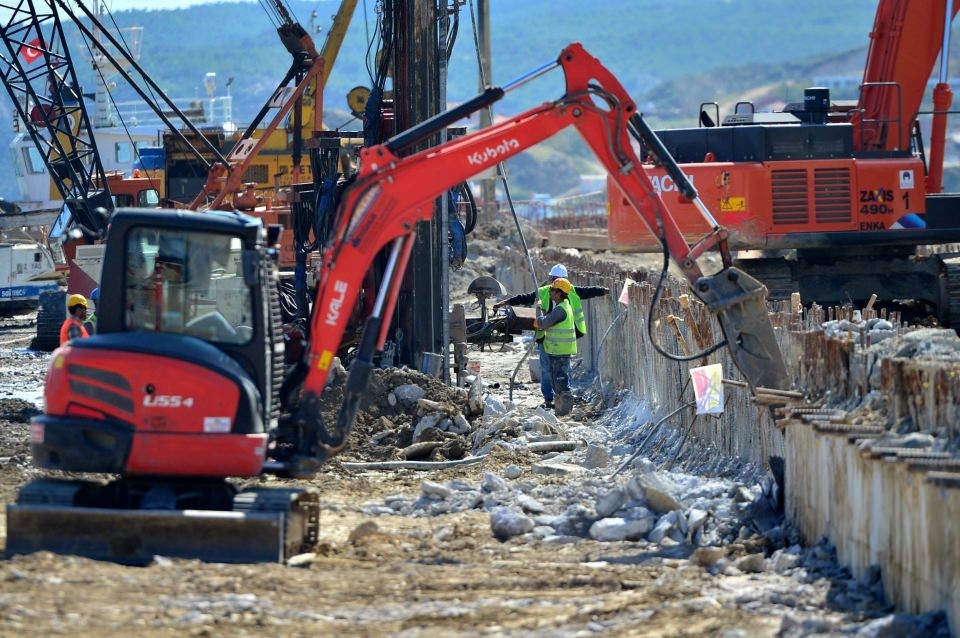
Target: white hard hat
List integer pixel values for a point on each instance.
(558, 270)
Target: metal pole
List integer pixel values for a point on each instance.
(488, 185)
(444, 207)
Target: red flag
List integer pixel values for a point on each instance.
(31, 51)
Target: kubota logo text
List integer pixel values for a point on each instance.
(493, 152)
(333, 308)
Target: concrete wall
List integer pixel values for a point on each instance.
(882, 505)
(880, 511)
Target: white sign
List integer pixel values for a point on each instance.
(906, 180)
(216, 424)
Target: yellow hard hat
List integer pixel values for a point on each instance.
(76, 300)
(563, 285)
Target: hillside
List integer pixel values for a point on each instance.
(672, 55)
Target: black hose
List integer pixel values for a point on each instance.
(653, 304)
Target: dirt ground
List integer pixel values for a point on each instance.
(392, 574)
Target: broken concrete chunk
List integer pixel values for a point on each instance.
(619, 529)
(929, 341)
(459, 425)
(659, 501)
(575, 521)
(595, 457)
(696, 519)
(530, 504)
(547, 416)
(784, 561)
(666, 524)
(409, 393)
(636, 512)
(429, 489)
(610, 501)
(654, 491)
(507, 522)
(492, 483)
(429, 421)
(537, 424)
(492, 407)
(512, 472)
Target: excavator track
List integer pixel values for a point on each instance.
(300, 510)
(264, 525)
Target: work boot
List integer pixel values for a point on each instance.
(547, 405)
(564, 404)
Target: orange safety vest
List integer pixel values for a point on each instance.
(69, 330)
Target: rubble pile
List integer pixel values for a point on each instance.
(875, 329)
(729, 529)
(892, 376)
(405, 414)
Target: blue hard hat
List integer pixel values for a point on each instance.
(95, 295)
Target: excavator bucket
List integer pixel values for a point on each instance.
(259, 529)
(740, 302)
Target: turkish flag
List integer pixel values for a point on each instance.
(31, 51)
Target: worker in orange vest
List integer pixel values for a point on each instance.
(72, 327)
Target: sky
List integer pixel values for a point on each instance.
(122, 5)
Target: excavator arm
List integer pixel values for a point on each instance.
(907, 38)
(391, 194)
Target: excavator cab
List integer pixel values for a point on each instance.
(200, 286)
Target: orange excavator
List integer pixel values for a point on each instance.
(829, 198)
(182, 390)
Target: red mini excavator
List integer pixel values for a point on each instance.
(180, 394)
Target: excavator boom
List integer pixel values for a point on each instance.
(392, 193)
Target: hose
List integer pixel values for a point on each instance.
(603, 340)
(653, 429)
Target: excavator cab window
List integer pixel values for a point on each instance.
(187, 283)
(148, 198)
